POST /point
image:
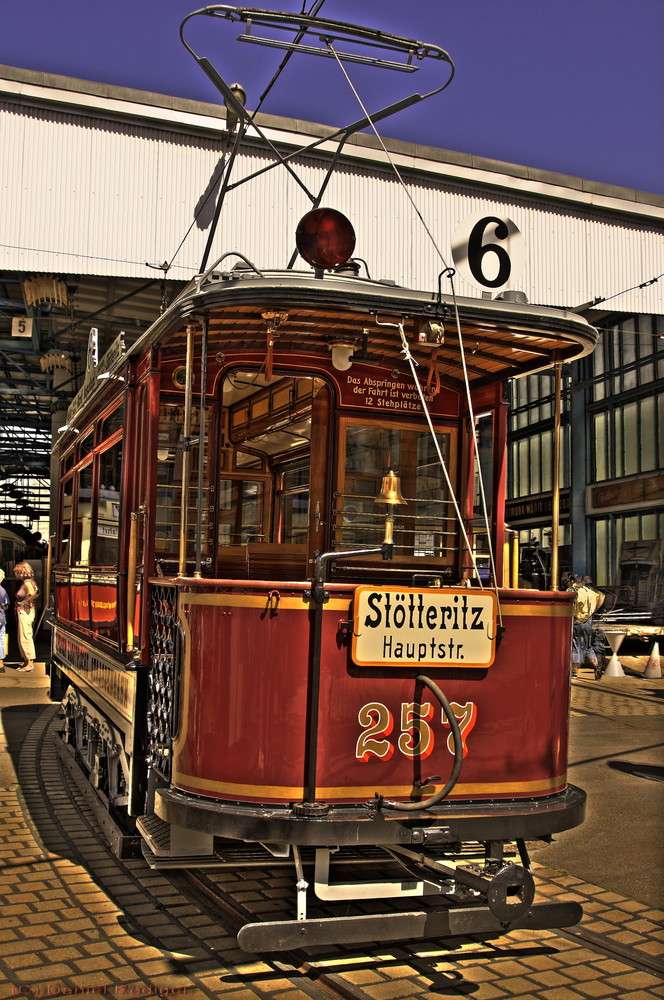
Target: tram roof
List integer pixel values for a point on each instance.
(501, 339)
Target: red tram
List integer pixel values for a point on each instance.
(278, 615)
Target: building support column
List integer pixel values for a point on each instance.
(579, 466)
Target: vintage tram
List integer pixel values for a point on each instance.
(283, 610)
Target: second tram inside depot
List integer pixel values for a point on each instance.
(283, 611)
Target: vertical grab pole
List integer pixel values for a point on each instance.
(555, 510)
(201, 452)
(186, 449)
(49, 568)
(131, 578)
(515, 561)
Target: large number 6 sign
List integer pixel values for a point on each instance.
(488, 250)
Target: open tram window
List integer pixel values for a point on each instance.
(269, 430)
(425, 527)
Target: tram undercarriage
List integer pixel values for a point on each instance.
(472, 887)
(480, 889)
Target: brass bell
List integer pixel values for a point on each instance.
(390, 490)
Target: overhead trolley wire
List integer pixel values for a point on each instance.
(450, 274)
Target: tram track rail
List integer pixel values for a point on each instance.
(73, 814)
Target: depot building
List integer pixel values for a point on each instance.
(108, 208)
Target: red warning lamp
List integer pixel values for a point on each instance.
(325, 238)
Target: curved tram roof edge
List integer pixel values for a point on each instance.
(501, 339)
(554, 334)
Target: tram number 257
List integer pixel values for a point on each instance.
(416, 737)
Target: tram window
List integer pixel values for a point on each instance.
(66, 515)
(112, 423)
(482, 484)
(83, 535)
(86, 445)
(484, 437)
(263, 507)
(169, 483)
(425, 526)
(247, 460)
(108, 506)
(292, 501)
(241, 505)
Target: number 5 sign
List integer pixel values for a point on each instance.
(488, 251)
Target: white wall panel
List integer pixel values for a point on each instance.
(84, 194)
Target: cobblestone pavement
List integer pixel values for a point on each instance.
(639, 696)
(76, 920)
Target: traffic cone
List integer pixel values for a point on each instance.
(653, 667)
(614, 666)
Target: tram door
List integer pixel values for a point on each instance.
(269, 505)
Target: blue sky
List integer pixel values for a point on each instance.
(574, 86)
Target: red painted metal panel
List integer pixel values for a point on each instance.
(244, 707)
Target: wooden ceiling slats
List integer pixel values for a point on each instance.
(491, 351)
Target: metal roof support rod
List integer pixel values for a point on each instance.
(327, 31)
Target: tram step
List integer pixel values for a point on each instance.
(233, 854)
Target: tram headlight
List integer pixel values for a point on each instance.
(325, 238)
(341, 355)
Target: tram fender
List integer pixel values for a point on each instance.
(476, 921)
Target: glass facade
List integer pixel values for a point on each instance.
(612, 484)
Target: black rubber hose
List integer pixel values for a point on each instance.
(458, 757)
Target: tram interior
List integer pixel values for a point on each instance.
(291, 477)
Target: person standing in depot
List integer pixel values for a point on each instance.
(585, 602)
(25, 613)
(4, 604)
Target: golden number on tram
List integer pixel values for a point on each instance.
(417, 738)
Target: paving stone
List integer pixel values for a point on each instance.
(609, 967)
(625, 937)
(361, 977)
(90, 980)
(561, 993)
(393, 990)
(540, 962)
(653, 947)
(641, 995)
(595, 988)
(580, 973)
(599, 927)
(635, 980)
(517, 986)
(551, 978)
(480, 974)
(486, 991)
(43, 972)
(642, 926)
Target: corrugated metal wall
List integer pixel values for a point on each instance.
(87, 195)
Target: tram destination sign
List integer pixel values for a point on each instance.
(433, 627)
